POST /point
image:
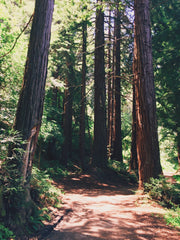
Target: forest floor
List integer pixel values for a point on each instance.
(94, 209)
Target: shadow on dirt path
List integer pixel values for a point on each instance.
(95, 210)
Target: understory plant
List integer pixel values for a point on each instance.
(5, 233)
(167, 195)
(43, 192)
(173, 217)
(122, 170)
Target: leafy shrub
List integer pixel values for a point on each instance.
(57, 173)
(177, 178)
(10, 180)
(173, 217)
(166, 193)
(5, 233)
(122, 169)
(118, 166)
(43, 192)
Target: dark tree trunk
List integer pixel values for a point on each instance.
(117, 146)
(83, 99)
(113, 99)
(67, 121)
(146, 122)
(100, 131)
(109, 76)
(133, 161)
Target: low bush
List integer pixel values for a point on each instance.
(122, 170)
(43, 192)
(57, 173)
(167, 194)
(173, 217)
(5, 233)
(177, 178)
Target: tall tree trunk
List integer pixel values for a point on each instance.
(109, 76)
(100, 131)
(117, 146)
(67, 121)
(133, 161)
(30, 105)
(83, 100)
(147, 137)
(113, 98)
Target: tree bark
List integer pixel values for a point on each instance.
(113, 98)
(133, 161)
(117, 146)
(67, 121)
(30, 106)
(100, 131)
(147, 137)
(109, 76)
(83, 99)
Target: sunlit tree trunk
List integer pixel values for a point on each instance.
(100, 131)
(30, 105)
(83, 100)
(146, 122)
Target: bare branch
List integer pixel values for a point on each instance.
(4, 55)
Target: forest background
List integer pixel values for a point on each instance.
(61, 147)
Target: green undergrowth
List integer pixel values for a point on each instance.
(43, 191)
(57, 173)
(5, 233)
(44, 194)
(177, 178)
(172, 217)
(54, 170)
(167, 195)
(122, 170)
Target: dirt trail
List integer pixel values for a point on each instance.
(94, 210)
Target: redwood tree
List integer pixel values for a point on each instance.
(109, 77)
(83, 95)
(133, 161)
(100, 131)
(117, 144)
(146, 122)
(30, 105)
(67, 117)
